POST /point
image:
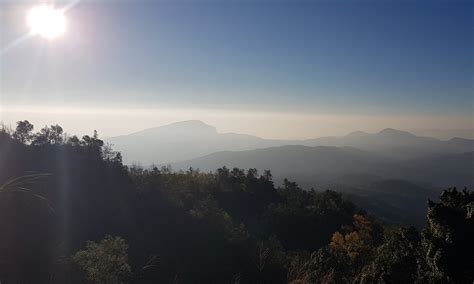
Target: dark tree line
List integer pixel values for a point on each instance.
(71, 212)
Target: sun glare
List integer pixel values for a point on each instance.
(46, 21)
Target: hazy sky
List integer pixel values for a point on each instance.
(281, 69)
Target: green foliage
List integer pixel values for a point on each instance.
(362, 254)
(306, 219)
(396, 260)
(209, 212)
(231, 225)
(105, 262)
(447, 239)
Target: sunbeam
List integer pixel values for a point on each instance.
(70, 5)
(15, 43)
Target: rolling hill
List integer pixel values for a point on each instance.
(322, 165)
(395, 201)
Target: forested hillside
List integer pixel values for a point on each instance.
(322, 165)
(71, 212)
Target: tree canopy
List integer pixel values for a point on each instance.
(91, 218)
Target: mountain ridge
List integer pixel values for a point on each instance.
(324, 165)
(185, 140)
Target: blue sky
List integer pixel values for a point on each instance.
(323, 57)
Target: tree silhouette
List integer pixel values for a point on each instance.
(23, 132)
(49, 136)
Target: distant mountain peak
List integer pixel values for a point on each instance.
(189, 123)
(181, 127)
(392, 132)
(357, 133)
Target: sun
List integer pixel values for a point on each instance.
(46, 21)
